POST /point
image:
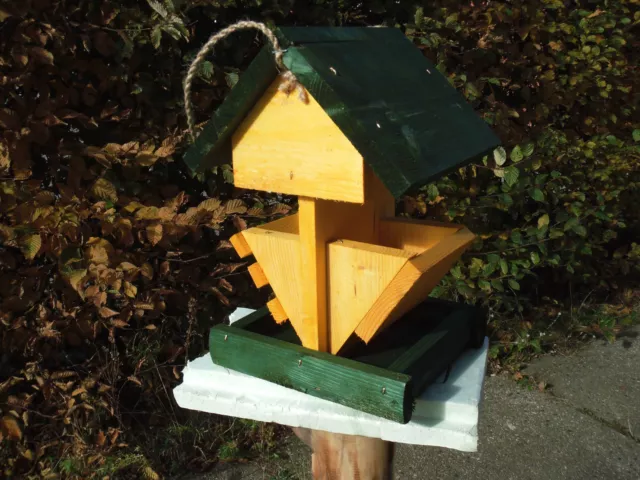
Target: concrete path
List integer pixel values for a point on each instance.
(585, 425)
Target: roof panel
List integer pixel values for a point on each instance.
(403, 116)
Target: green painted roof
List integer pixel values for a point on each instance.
(410, 125)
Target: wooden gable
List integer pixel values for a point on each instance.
(293, 147)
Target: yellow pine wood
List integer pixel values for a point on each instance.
(278, 254)
(395, 301)
(288, 146)
(414, 235)
(358, 274)
(288, 224)
(277, 312)
(313, 239)
(240, 245)
(257, 275)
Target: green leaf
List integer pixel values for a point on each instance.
(158, 7)
(465, 290)
(457, 273)
(30, 245)
(493, 258)
(543, 221)
(516, 154)
(580, 230)
(232, 78)
(500, 156)
(497, 284)
(636, 135)
(156, 36)
(511, 175)
(537, 195)
(432, 192)
(206, 70)
(527, 149)
(513, 284)
(535, 258)
(504, 266)
(484, 285)
(571, 223)
(488, 269)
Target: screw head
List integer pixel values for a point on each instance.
(225, 337)
(384, 390)
(299, 363)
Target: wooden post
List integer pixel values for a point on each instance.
(347, 457)
(313, 240)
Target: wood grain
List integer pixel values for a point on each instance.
(358, 274)
(287, 146)
(413, 283)
(314, 233)
(257, 275)
(414, 235)
(240, 245)
(278, 254)
(276, 310)
(347, 457)
(357, 385)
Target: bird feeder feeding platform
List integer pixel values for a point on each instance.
(445, 414)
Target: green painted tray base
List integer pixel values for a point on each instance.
(382, 378)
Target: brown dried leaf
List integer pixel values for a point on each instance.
(255, 212)
(117, 323)
(103, 189)
(224, 245)
(134, 380)
(106, 312)
(279, 209)
(210, 204)
(41, 56)
(148, 213)
(101, 439)
(99, 251)
(223, 283)
(76, 279)
(223, 299)
(235, 206)
(154, 233)
(130, 290)
(10, 428)
(239, 223)
(147, 271)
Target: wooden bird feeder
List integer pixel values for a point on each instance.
(377, 120)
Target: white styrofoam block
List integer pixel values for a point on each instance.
(445, 415)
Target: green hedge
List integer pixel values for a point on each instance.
(114, 263)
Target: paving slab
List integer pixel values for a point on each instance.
(528, 435)
(601, 379)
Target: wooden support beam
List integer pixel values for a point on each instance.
(313, 239)
(257, 275)
(240, 245)
(276, 310)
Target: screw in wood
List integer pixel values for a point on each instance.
(384, 390)
(299, 363)
(225, 337)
